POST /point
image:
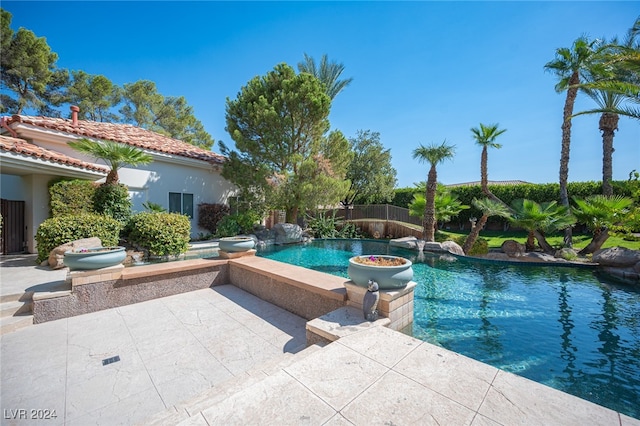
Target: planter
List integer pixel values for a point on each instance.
(236, 244)
(94, 258)
(387, 277)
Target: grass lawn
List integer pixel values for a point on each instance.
(496, 238)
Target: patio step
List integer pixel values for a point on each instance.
(16, 312)
(10, 324)
(189, 410)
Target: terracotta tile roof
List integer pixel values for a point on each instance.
(491, 182)
(124, 133)
(20, 146)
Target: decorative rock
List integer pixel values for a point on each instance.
(617, 257)
(287, 233)
(56, 257)
(513, 248)
(452, 247)
(433, 247)
(410, 243)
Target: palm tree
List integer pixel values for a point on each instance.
(599, 213)
(447, 205)
(485, 136)
(116, 155)
(608, 102)
(571, 66)
(488, 207)
(327, 72)
(433, 154)
(539, 219)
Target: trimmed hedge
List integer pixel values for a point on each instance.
(59, 230)
(114, 201)
(160, 233)
(69, 197)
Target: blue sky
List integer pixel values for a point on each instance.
(423, 71)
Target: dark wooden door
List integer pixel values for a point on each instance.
(12, 226)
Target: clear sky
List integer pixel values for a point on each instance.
(423, 71)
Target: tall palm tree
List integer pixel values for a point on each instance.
(608, 102)
(327, 72)
(116, 155)
(485, 136)
(572, 66)
(488, 207)
(432, 154)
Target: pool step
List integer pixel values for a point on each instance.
(189, 411)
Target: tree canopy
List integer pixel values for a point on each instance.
(371, 174)
(284, 157)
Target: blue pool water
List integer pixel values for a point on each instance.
(560, 326)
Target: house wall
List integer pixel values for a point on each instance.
(154, 182)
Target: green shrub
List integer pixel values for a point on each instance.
(63, 229)
(327, 226)
(160, 233)
(481, 246)
(113, 201)
(70, 197)
(235, 224)
(209, 215)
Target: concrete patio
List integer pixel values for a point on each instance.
(223, 356)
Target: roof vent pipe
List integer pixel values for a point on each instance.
(74, 115)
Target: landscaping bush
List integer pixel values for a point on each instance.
(480, 247)
(209, 215)
(63, 229)
(113, 201)
(324, 225)
(70, 197)
(235, 224)
(160, 233)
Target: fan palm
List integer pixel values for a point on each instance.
(572, 66)
(599, 213)
(116, 155)
(327, 72)
(485, 136)
(432, 154)
(539, 219)
(488, 207)
(447, 205)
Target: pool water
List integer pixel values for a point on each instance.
(560, 326)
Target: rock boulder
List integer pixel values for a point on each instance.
(513, 248)
(618, 257)
(56, 256)
(287, 233)
(452, 247)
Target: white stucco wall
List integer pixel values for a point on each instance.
(154, 182)
(12, 187)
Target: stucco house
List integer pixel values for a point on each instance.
(34, 150)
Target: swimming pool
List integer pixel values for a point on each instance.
(560, 326)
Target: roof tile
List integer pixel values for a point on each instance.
(20, 146)
(123, 133)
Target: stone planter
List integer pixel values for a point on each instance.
(236, 244)
(387, 277)
(94, 258)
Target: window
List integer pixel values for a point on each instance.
(181, 203)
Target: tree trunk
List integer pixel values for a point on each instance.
(430, 205)
(596, 242)
(291, 215)
(530, 245)
(473, 235)
(542, 241)
(608, 126)
(572, 92)
(112, 178)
